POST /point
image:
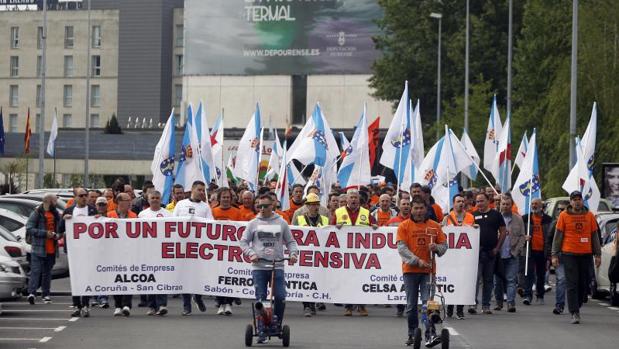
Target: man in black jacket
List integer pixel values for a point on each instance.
(80, 208)
(538, 226)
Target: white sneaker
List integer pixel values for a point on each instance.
(47, 300)
(221, 310)
(162, 311)
(126, 311)
(118, 312)
(85, 312)
(228, 309)
(151, 311)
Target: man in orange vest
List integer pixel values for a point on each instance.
(576, 239)
(418, 238)
(383, 213)
(458, 217)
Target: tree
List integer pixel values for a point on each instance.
(112, 126)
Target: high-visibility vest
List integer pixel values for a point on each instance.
(341, 216)
(452, 219)
(324, 221)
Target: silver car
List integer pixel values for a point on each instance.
(12, 279)
(603, 287)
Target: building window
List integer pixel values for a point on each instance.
(13, 96)
(179, 64)
(68, 36)
(178, 39)
(14, 66)
(37, 122)
(68, 66)
(178, 95)
(39, 37)
(38, 99)
(13, 123)
(67, 96)
(66, 120)
(96, 65)
(14, 37)
(39, 65)
(299, 99)
(95, 96)
(94, 120)
(96, 36)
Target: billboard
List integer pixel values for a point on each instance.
(254, 37)
(610, 186)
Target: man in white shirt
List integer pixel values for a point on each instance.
(157, 303)
(194, 206)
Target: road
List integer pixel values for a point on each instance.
(48, 326)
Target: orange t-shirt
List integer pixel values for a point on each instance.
(438, 211)
(382, 217)
(374, 200)
(290, 212)
(577, 231)
(418, 236)
(50, 247)
(231, 214)
(246, 214)
(515, 208)
(114, 214)
(111, 205)
(452, 219)
(537, 240)
(284, 215)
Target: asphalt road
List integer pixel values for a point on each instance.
(48, 326)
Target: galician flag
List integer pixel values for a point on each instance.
(281, 189)
(502, 168)
(274, 160)
(53, 134)
(205, 149)
(162, 166)
(355, 168)
(189, 166)
(522, 151)
(217, 146)
(528, 185)
(491, 145)
(315, 143)
(248, 153)
(397, 143)
(471, 171)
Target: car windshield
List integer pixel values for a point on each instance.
(10, 224)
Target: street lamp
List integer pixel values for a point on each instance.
(438, 16)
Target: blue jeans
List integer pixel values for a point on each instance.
(560, 288)
(157, 300)
(41, 273)
(485, 276)
(510, 270)
(261, 279)
(415, 285)
(187, 300)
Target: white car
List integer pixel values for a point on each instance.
(12, 247)
(603, 287)
(12, 278)
(16, 224)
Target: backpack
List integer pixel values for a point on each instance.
(613, 269)
(28, 235)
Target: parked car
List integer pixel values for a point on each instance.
(12, 247)
(20, 206)
(551, 209)
(602, 286)
(60, 204)
(13, 279)
(16, 224)
(64, 193)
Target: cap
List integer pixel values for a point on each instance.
(101, 200)
(575, 194)
(312, 198)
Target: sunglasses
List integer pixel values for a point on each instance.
(82, 195)
(264, 206)
(101, 204)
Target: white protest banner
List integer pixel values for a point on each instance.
(192, 255)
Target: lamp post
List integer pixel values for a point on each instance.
(87, 124)
(465, 180)
(438, 75)
(574, 81)
(41, 125)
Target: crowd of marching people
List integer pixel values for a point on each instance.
(567, 244)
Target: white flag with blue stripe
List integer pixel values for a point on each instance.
(528, 185)
(315, 144)
(248, 153)
(472, 170)
(397, 144)
(355, 168)
(491, 145)
(189, 164)
(162, 166)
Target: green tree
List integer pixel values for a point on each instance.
(112, 126)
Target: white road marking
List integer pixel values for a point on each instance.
(19, 339)
(59, 328)
(613, 308)
(45, 339)
(452, 332)
(13, 310)
(73, 319)
(604, 304)
(33, 319)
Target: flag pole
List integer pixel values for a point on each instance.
(483, 174)
(526, 258)
(448, 179)
(224, 171)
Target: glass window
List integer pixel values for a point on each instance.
(66, 120)
(94, 120)
(37, 122)
(68, 66)
(67, 99)
(39, 66)
(13, 123)
(178, 95)
(68, 36)
(38, 99)
(14, 37)
(39, 37)
(9, 224)
(95, 96)
(179, 64)
(14, 66)
(96, 36)
(96, 65)
(13, 95)
(178, 39)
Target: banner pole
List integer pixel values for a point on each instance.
(526, 259)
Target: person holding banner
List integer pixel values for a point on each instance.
(79, 208)
(194, 206)
(157, 303)
(296, 200)
(576, 239)
(353, 214)
(311, 219)
(491, 237)
(383, 213)
(458, 217)
(405, 213)
(263, 240)
(178, 194)
(418, 238)
(539, 225)
(225, 212)
(247, 207)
